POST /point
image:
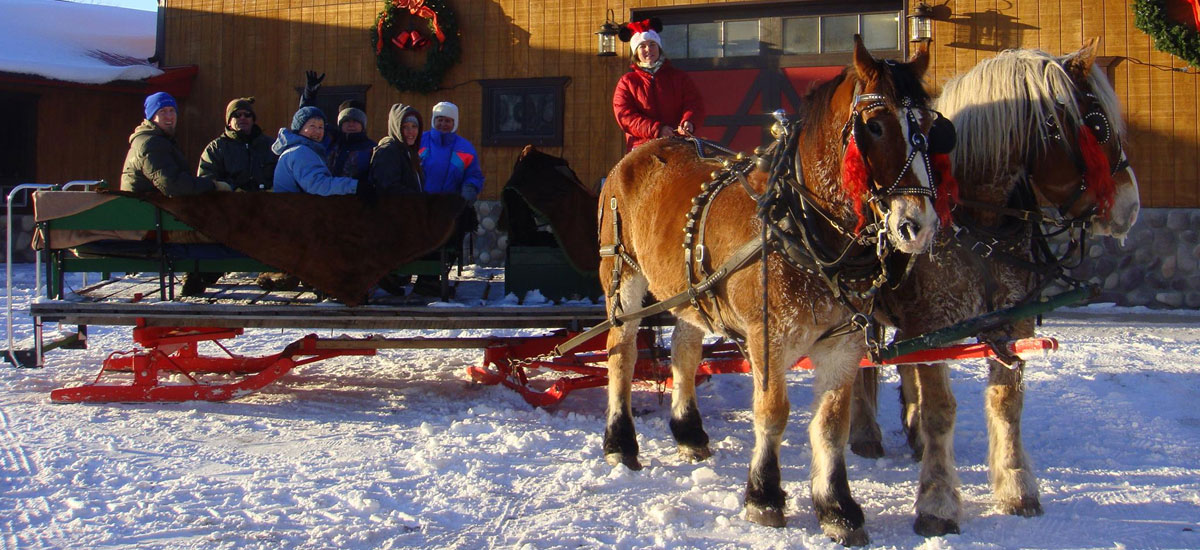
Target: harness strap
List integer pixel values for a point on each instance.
(738, 260)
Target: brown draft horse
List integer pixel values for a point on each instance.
(1034, 131)
(647, 210)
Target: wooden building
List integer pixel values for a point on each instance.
(750, 57)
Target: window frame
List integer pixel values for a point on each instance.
(494, 89)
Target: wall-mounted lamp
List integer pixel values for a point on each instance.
(920, 24)
(606, 45)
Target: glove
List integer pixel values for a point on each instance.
(366, 192)
(312, 81)
(222, 187)
(469, 193)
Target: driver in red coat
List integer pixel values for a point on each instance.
(654, 99)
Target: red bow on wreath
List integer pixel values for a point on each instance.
(414, 40)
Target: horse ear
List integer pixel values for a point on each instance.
(919, 60)
(866, 66)
(1079, 64)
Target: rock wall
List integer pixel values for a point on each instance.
(1158, 266)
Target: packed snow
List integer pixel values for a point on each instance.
(402, 450)
(73, 42)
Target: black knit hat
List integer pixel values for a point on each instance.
(245, 103)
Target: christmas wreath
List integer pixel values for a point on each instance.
(1170, 36)
(399, 28)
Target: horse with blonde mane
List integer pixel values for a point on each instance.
(827, 237)
(1035, 132)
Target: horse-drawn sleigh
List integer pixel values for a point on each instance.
(806, 249)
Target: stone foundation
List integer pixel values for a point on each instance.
(1158, 267)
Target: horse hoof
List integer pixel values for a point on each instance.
(1027, 507)
(928, 525)
(629, 461)
(846, 537)
(867, 449)
(694, 454)
(770, 516)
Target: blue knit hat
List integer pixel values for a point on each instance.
(157, 101)
(303, 115)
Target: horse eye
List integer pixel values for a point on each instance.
(875, 128)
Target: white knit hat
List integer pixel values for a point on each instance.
(447, 109)
(640, 37)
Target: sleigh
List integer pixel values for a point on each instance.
(180, 348)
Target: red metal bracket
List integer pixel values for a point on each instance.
(174, 350)
(510, 362)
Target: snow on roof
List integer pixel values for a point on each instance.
(81, 43)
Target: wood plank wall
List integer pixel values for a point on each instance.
(82, 134)
(1160, 105)
(262, 47)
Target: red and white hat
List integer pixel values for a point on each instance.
(636, 32)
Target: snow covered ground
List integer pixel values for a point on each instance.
(402, 451)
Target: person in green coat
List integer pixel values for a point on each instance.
(154, 161)
(241, 155)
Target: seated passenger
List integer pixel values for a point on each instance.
(242, 154)
(350, 154)
(154, 161)
(396, 161)
(396, 169)
(156, 164)
(302, 167)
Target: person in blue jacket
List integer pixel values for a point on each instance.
(451, 165)
(450, 162)
(302, 167)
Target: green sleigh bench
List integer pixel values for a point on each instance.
(124, 234)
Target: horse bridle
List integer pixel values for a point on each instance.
(1097, 121)
(940, 133)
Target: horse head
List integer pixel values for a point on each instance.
(890, 138)
(1107, 181)
(1030, 119)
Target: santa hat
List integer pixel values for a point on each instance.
(636, 32)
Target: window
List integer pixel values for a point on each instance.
(330, 97)
(718, 39)
(813, 28)
(835, 33)
(523, 111)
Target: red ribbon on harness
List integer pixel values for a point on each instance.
(854, 179)
(1098, 178)
(947, 187)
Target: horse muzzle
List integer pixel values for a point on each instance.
(1125, 208)
(911, 223)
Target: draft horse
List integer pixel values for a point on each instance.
(675, 224)
(1034, 131)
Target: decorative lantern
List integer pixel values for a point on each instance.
(606, 45)
(920, 24)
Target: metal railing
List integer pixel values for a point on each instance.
(37, 268)
(37, 276)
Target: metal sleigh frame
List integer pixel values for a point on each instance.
(169, 346)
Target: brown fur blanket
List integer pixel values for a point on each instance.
(341, 245)
(546, 185)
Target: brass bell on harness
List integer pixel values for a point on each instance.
(760, 151)
(763, 164)
(715, 175)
